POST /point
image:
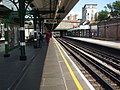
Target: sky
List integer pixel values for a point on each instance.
(77, 9)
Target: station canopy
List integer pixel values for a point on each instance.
(4, 11)
(53, 10)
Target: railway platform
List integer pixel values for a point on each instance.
(46, 68)
(60, 73)
(12, 70)
(111, 44)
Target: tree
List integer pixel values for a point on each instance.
(103, 15)
(111, 10)
(114, 8)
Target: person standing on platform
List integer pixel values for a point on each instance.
(31, 39)
(47, 37)
(39, 38)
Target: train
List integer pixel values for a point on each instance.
(56, 34)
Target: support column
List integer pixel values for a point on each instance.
(90, 32)
(78, 33)
(97, 31)
(39, 22)
(42, 27)
(6, 40)
(35, 29)
(90, 35)
(22, 29)
(74, 33)
(82, 32)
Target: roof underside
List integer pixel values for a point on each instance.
(4, 11)
(50, 10)
(60, 29)
(54, 9)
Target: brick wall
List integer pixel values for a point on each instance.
(110, 29)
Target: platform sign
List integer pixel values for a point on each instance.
(94, 27)
(50, 21)
(84, 27)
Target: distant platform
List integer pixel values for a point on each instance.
(111, 44)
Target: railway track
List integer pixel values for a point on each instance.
(104, 57)
(102, 71)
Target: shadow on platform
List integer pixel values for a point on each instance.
(22, 75)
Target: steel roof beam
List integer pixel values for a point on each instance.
(48, 11)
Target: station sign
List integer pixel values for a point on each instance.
(50, 21)
(94, 27)
(84, 27)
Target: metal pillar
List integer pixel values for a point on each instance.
(90, 34)
(35, 29)
(42, 27)
(22, 31)
(6, 40)
(7, 36)
(82, 32)
(50, 8)
(97, 31)
(39, 21)
(78, 33)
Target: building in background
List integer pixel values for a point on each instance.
(68, 23)
(88, 13)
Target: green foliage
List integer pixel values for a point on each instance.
(114, 8)
(103, 15)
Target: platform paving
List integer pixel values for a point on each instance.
(12, 69)
(44, 69)
(56, 75)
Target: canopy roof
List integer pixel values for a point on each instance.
(48, 10)
(4, 11)
(54, 9)
(60, 29)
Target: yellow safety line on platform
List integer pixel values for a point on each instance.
(70, 70)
